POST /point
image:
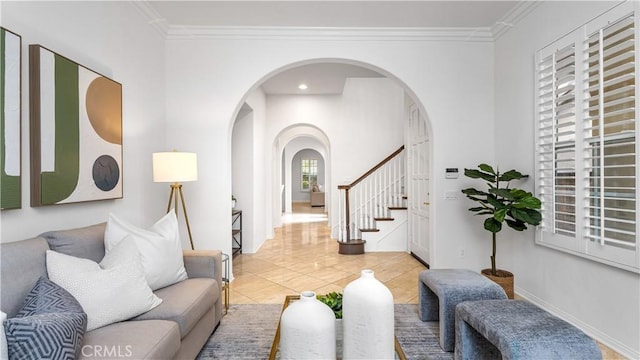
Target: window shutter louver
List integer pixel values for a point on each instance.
(545, 142)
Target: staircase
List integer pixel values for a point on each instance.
(373, 209)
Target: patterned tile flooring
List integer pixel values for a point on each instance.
(302, 256)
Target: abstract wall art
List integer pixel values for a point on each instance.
(76, 131)
(10, 116)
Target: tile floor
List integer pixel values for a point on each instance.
(303, 257)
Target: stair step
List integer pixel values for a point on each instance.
(369, 230)
(383, 219)
(352, 242)
(352, 247)
(397, 208)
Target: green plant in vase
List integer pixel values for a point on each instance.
(501, 203)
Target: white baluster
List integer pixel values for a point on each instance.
(356, 210)
(383, 195)
(365, 199)
(393, 184)
(369, 202)
(340, 219)
(376, 199)
(390, 187)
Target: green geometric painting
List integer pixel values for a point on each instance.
(76, 131)
(10, 114)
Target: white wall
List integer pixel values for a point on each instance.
(111, 38)
(249, 164)
(242, 175)
(370, 126)
(262, 183)
(602, 300)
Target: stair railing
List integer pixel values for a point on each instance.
(371, 196)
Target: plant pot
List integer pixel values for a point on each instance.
(503, 278)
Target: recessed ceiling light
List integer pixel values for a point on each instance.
(302, 86)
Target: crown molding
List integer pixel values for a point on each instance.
(512, 17)
(152, 16)
(329, 33)
(480, 34)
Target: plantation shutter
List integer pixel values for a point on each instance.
(586, 130)
(557, 140)
(609, 135)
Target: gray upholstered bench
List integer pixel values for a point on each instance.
(517, 329)
(440, 290)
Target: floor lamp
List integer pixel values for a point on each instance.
(176, 167)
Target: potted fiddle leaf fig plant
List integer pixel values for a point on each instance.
(501, 203)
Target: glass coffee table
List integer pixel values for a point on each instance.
(273, 355)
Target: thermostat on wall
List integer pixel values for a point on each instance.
(451, 173)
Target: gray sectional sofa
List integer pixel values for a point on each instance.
(176, 329)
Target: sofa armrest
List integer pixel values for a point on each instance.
(203, 264)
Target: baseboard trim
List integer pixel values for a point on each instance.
(607, 340)
(420, 260)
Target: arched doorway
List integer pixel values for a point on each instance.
(280, 122)
(286, 144)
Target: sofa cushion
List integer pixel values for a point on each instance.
(86, 242)
(50, 325)
(159, 247)
(185, 303)
(111, 291)
(151, 339)
(27, 258)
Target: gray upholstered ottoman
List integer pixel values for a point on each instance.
(440, 290)
(517, 329)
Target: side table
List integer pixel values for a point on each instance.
(225, 281)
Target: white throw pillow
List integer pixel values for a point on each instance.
(4, 352)
(112, 291)
(159, 247)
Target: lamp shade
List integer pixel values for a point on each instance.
(175, 167)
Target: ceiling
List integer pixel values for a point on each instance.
(329, 78)
(332, 13)
(321, 79)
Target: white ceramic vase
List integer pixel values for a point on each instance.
(307, 329)
(368, 319)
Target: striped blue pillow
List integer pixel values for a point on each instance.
(50, 325)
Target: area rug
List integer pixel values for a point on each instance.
(247, 331)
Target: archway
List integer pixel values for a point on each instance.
(295, 128)
(295, 138)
